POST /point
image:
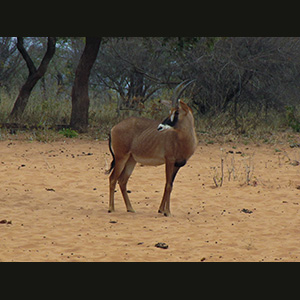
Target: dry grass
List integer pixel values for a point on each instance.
(45, 112)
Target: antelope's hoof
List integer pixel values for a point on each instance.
(131, 210)
(165, 213)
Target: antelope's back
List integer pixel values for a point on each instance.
(124, 133)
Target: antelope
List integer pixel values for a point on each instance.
(149, 142)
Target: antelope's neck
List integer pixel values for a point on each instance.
(188, 140)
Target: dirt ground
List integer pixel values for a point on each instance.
(54, 201)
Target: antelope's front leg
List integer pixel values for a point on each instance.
(171, 171)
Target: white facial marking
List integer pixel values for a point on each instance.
(172, 116)
(162, 127)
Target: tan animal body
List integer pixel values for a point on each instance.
(149, 142)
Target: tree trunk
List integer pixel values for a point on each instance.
(34, 75)
(80, 95)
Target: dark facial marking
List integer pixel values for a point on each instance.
(168, 121)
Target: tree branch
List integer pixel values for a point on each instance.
(141, 71)
(48, 55)
(30, 65)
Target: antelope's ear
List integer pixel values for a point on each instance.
(184, 106)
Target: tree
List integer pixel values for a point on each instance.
(9, 62)
(35, 74)
(239, 75)
(80, 95)
(135, 67)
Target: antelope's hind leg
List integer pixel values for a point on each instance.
(123, 179)
(113, 178)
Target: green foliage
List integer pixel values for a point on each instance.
(291, 118)
(68, 133)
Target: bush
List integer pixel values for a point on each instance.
(69, 133)
(291, 118)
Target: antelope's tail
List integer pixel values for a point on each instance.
(112, 165)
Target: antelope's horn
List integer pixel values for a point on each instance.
(179, 90)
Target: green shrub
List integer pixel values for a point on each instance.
(292, 121)
(69, 133)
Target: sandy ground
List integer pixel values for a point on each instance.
(54, 200)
